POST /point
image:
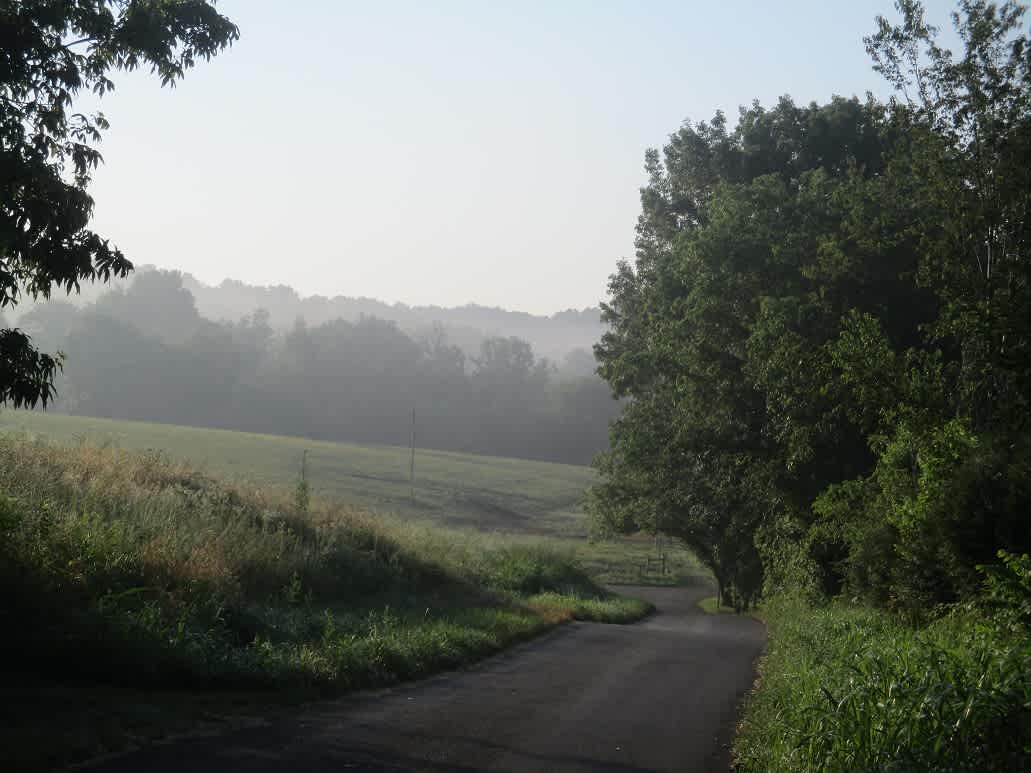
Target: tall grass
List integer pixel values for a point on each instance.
(134, 569)
(847, 688)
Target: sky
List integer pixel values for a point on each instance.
(445, 152)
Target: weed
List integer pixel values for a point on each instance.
(850, 688)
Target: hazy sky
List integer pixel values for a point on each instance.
(445, 152)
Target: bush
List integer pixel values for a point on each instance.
(1007, 591)
(938, 504)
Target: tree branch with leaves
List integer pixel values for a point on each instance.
(50, 52)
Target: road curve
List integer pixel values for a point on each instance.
(661, 695)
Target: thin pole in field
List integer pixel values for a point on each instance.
(411, 464)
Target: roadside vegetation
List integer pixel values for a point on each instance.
(825, 349)
(711, 606)
(128, 569)
(845, 687)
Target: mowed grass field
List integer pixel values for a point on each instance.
(458, 491)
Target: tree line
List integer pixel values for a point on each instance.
(144, 352)
(553, 336)
(825, 338)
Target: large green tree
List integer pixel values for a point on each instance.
(51, 51)
(825, 338)
(718, 325)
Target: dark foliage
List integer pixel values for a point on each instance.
(824, 340)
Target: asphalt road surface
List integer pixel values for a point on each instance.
(661, 695)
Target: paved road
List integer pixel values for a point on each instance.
(661, 695)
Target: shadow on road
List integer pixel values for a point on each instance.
(662, 695)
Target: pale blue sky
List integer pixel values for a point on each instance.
(445, 152)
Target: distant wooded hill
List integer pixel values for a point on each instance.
(551, 336)
(565, 338)
(169, 349)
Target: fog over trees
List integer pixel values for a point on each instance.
(565, 335)
(148, 350)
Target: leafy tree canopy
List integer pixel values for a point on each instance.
(825, 338)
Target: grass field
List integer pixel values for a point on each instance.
(459, 491)
(483, 492)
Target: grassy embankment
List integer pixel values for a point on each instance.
(168, 594)
(484, 493)
(849, 688)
